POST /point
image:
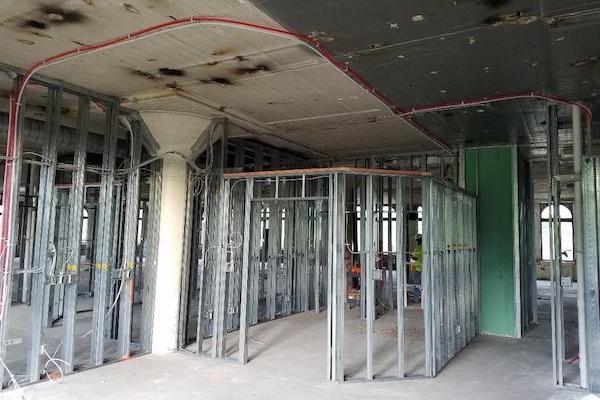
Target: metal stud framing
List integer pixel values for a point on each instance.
(104, 238)
(558, 348)
(255, 261)
(76, 200)
(289, 258)
(318, 230)
(221, 271)
(42, 260)
(273, 258)
(50, 242)
(591, 256)
(280, 251)
(450, 274)
(337, 281)
(243, 337)
(400, 248)
(12, 169)
(128, 263)
(370, 247)
(427, 279)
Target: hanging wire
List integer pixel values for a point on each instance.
(110, 309)
(201, 176)
(158, 157)
(52, 359)
(13, 379)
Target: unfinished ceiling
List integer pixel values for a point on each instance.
(436, 52)
(274, 86)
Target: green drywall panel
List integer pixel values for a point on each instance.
(471, 156)
(488, 172)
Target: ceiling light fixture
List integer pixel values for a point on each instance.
(417, 18)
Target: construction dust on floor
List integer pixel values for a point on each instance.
(287, 363)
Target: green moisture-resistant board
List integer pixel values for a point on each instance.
(488, 172)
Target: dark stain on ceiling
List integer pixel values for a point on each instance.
(252, 70)
(57, 15)
(46, 16)
(144, 74)
(35, 24)
(220, 80)
(171, 72)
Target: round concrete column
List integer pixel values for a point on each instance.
(173, 132)
(170, 254)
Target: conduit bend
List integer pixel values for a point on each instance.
(180, 23)
(5, 229)
(304, 39)
(15, 103)
(505, 97)
(494, 99)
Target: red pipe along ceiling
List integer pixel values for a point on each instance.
(15, 107)
(310, 42)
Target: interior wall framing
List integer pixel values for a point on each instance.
(591, 245)
(263, 269)
(69, 182)
(198, 279)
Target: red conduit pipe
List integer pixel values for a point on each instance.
(169, 25)
(165, 26)
(493, 99)
(7, 187)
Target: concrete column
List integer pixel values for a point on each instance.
(170, 254)
(173, 132)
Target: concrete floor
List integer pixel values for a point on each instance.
(19, 333)
(544, 293)
(287, 362)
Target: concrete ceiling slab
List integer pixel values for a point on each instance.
(429, 52)
(266, 83)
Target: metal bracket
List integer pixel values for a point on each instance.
(62, 279)
(377, 274)
(232, 310)
(122, 273)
